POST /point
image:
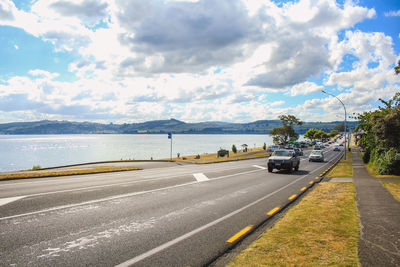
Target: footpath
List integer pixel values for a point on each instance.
(379, 243)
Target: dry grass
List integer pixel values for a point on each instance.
(393, 188)
(52, 173)
(344, 168)
(323, 229)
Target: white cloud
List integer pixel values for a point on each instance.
(7, 9)
(139, 60)
(392, 13)
(305, 88)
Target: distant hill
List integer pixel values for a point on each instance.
(158, 127)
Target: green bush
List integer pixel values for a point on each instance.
(385, 161)
(36, 167)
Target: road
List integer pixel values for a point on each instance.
(175, 215)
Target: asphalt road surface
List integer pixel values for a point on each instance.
(175, 215)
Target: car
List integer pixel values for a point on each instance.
(284, 160)
(336, 148)
(317, 147)
(272, 148)
(316, 155)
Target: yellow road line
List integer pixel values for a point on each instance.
(316, 178)
(304, 188)
(311, 182)
(238, 235)
(292, 197)
(273, 211)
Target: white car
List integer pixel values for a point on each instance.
(316, 155)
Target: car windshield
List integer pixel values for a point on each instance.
(282, 153)
(316, 152)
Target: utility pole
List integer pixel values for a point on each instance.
(170, 137)
(345, 121)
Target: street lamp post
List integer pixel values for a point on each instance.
(345, 121)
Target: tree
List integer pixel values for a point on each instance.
(397, 68)
(381, 139)
(286, 133)
(310, 134)
(333, 133)
(289, 119)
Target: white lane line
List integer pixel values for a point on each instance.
(117, 197)
(137, 193)
(195, 231)
(200, 177)
(260, 167)
(4, 201)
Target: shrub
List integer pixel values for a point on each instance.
(36, 167)
(385, 161)
(234, 149)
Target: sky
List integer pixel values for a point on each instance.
(126, 61)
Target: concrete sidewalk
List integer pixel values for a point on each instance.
(379, 243)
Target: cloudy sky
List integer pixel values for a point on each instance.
(195, 60)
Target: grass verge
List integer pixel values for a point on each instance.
(344, 168)
(323, 229)
(55, 173)
(393, 188)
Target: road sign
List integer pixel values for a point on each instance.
(169, 135)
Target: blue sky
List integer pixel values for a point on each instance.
(195, 60)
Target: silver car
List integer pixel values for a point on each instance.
(316, 155)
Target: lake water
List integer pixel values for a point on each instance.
(19, 152)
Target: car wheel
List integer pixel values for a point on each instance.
(270, 169)
(290, 168)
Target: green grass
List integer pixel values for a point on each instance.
(323, 229)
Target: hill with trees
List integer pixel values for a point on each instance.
(159, 127)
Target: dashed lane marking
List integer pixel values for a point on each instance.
(260, 167)
(200, 177)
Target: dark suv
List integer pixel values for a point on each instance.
(284, 159)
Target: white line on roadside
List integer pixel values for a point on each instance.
(200, 177)
(260, 167)
(4, 201)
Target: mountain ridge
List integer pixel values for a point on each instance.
(157, 127)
